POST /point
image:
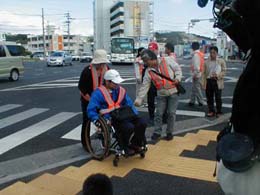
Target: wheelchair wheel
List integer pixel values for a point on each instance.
(97, 142)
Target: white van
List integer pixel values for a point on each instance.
(11, 60)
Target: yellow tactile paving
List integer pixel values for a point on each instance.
(20, 188)
(196, 139)
(164, 157)
(212, 135)
(67, 171)
(58, 184)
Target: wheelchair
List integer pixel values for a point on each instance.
(101, 142)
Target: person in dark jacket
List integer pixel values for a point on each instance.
(91, 78)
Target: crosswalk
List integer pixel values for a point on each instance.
(127, 74)
(13, 114)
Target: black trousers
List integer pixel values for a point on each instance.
(84, 106)
(125, 129)
(152, 93)
(211, 92)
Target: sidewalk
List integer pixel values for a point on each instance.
(184, 165)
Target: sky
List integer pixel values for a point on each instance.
(24, 16)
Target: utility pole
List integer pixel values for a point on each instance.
(68, 22)
(190, 25)
(43, 33)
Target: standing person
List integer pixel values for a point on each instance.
(91, 77)
(167, 98)
(109, 97)
(213, 81)
(139, 68)
(169, 51)
(197, 65)
(152, 93)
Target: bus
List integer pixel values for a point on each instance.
(122, 50)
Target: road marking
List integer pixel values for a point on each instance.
(190, 113)
(21, 116)
(8, 107)
(188, 80)
(230, 79)
(74, 134)
(227, 79)
(28, 133)
(179, 112)
(223, 105)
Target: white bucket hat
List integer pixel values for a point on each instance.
(100, 57)
(114, 76)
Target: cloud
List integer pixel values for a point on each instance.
(15, 23)
(24, 23)
(176, 1)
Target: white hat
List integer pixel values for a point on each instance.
(114, 76)
(100, 57)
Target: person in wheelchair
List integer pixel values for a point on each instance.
(110, 97)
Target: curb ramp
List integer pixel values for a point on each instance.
(164, 157)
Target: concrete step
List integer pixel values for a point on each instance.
(57, 184)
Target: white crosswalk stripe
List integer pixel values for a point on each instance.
(21, 116)
(8, 107)
(179, 112)
(69, 82)
(223, 105)
(74, 134)
(9, 142)
(50, 123)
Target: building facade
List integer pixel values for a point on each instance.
(122, 18)
(57, 42)
(102, 23)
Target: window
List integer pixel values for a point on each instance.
(15, 50)
(2, 51)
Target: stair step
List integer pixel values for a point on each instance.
(200, 140)
(25, 189)
(67, 171)
(58, 184)
(212, 135)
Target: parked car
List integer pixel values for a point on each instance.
(206, 56)
(187, 57)
(75, 57)
(38, 55)
(59, 58)
(11, 61)
(86, 57)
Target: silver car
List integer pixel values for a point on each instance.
(59, 58)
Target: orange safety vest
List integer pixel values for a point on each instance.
(160, 82)
(111, 104)
(97, 82)
(201, 55)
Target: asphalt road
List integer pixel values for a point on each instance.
(40, 115)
